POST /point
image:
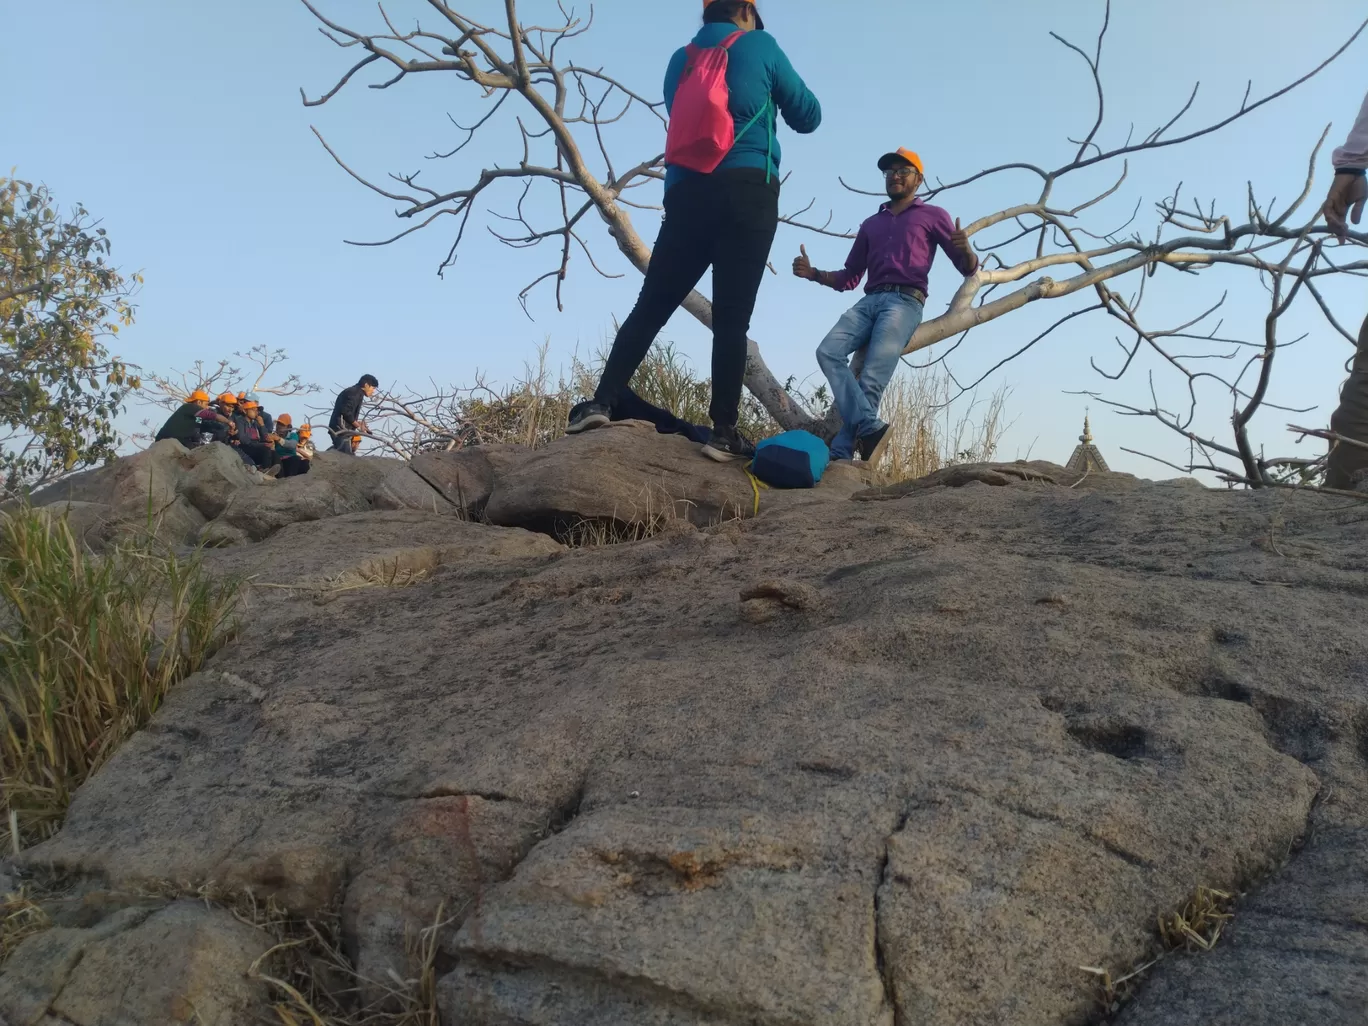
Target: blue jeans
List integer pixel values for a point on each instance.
(884, 322)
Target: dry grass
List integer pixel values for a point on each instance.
(929, 429)
(89, 647)
(21, 916)
(657, 514)
(314, 984)
(311, 981)
(1196, 926)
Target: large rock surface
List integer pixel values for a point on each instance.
(587, 479)
(907, 761)
(627, 480)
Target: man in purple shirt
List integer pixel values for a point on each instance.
(896, 247)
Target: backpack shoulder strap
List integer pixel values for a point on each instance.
(727, 43)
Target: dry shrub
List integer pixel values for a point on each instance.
(89, 647)
(932, 425)
(533, 409)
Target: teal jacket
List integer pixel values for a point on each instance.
(757, 70)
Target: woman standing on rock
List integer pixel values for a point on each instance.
(724, 92)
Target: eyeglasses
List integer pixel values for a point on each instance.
(900, 172)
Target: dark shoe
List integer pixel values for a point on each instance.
(870, 446)
(586, 416)
(727, 444)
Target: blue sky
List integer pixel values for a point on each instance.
(180, 124)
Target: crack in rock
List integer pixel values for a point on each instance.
(880, 956)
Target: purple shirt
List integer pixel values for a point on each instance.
(897, 249)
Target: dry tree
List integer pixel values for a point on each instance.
(566, 178)
(256, 370)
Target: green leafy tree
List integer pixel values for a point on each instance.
(60, 389)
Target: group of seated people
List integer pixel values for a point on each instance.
(271, 446)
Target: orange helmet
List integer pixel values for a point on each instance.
(285, 419)
(199, 395)
(247, 404)
(305, 430)
(228, 399)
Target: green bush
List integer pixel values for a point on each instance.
(89, 647)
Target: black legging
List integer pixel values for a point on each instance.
(263, 455)
(725, 220)
(293, 466)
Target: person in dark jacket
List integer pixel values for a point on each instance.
(185, 425)
(346, 415)
(255, 442)
(261, 412)
(216, 420)
(726, 220)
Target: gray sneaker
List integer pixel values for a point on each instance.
(728, 444)
(586, 417)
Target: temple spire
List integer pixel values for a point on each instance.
(1087, 458)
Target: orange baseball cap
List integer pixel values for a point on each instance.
(759, 21)
(228, 399)
(903, 153)
(285, 419)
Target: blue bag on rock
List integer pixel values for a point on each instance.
(794, 459)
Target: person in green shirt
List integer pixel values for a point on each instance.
(294, 448)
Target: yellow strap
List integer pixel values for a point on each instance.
(756, 485)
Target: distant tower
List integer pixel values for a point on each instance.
(1087, 458)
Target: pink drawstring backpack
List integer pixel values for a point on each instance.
(702, 130)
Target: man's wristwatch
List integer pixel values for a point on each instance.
(1356, 172)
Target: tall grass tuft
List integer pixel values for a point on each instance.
(932, 426)
(89, 647)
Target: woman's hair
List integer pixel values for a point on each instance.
(725, 10)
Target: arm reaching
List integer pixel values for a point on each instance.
(1354, 153)
(849, 276)
(1349, 188)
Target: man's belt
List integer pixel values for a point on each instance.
(907, 290)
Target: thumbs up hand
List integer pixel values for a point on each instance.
(802, 266)
(960, 238)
